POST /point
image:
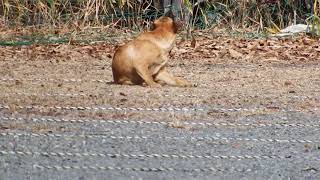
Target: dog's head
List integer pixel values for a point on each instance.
(167, 21)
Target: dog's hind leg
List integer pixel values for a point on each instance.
(123, 80)
(169, 79)
(126, 82)
(143, 72)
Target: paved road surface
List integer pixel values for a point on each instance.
(141, 150)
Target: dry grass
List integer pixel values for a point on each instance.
(131, 13)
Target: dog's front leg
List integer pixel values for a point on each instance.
(169, 79)
(143, 72)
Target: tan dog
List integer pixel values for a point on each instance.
(144, 58)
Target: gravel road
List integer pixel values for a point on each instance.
(282, 148)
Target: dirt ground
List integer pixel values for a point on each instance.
(229, 73)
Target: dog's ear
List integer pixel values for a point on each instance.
(177, 25)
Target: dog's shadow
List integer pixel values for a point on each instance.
(116, 84)
(145, 85)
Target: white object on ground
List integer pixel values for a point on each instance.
(298, 28)
(293, 29)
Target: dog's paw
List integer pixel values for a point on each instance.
(184, 83)
(155, 85)
(194, 85)
(188, 84)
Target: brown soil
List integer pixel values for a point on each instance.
(278, 74)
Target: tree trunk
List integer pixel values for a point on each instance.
(157, 4)
(179, 10)
(166, 5)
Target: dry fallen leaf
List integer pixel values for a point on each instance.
(181, 51)
(193, 42)
(235, 54)
(253, 46)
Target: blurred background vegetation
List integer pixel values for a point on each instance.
(134, 14)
